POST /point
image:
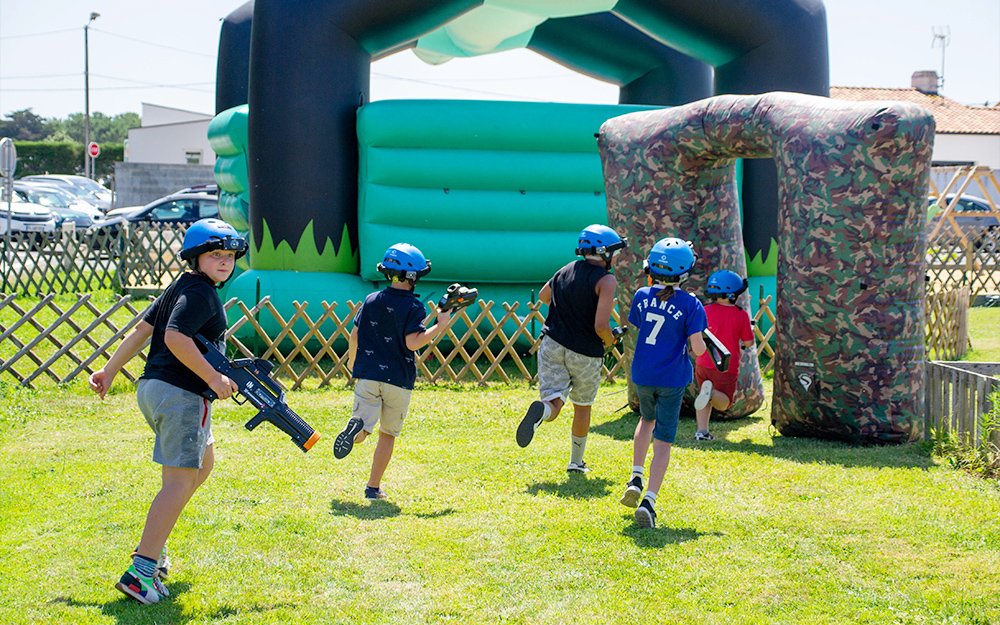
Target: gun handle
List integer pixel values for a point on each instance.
(255, 421)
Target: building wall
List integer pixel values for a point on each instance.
(156, 115)
(980, 149)
(137, 184)
(170, 143)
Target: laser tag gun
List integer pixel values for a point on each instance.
(457, 297)
(253, 377)
(618, 335)
(718, 351)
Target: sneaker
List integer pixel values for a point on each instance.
(704, 395)
(344, 442)
(161, 588)
(645, 516)
(372, 492)
(703, 436)
(530, 423)
(577, 468)
(632, 492)
(142, 589)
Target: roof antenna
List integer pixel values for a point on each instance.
(942, 37)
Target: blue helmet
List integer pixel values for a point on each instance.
(598, 240)
(206, 235)
(403, 261)
(726, 283)
(670, 258)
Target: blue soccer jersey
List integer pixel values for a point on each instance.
(661, 349)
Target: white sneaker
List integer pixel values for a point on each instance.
(577, 468)
(704, 395)
(632, 492)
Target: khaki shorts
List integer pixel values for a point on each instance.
(381, 403)
(563, 372)
(181, 420)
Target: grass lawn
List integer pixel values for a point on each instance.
(984, 333)
(754, 528)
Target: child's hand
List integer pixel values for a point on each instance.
(223, 387)
(444, 316)
(100, 381)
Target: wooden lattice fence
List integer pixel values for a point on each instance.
(947, 324)
(140, 255)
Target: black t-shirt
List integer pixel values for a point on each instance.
(384, 321)
(570, 321)
(190, 306)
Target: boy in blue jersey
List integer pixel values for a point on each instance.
(670, 321)
(577, 331)
(388, 328)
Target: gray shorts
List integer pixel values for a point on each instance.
(181, 420)
(381, 403)
(563, 372)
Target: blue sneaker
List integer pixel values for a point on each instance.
(142, 589)
(372, 492)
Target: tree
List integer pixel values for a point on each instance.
(103, 129)
(23, 125)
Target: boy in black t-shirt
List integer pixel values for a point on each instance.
(577, 331)
(169, 393)
(388, 328)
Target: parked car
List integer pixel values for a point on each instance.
(66, 206)
(210, 188)
(25, 217)
(183, 208)
(974, 216)
(80, 186)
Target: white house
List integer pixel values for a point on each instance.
(170, 136)
(965, 135)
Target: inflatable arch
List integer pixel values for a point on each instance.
(291, 161)
(851, 233)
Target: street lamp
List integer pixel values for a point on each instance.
(86, 96)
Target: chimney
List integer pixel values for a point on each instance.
(925, 81)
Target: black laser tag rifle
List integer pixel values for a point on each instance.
(457, 297)
(718, 351)
(253, 377)
(617, 336)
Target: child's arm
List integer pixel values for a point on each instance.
(183, 348)
(352, 349)
(545, 295)
(605, 302)
(418, 339)
(697, 343)
(100, 380)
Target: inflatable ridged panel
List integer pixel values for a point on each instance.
(852, 180)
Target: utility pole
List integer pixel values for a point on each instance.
(86, 97)
(942, 37)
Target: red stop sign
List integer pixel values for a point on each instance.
(93, 150)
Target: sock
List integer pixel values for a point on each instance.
(579, 446)
(651, 496)
(546, 410)
(143, 565)
(637, 470)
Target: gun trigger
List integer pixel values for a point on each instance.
(236, 399)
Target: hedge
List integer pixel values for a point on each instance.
(45, 157)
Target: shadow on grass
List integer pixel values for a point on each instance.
(377, 509)
(804, 450)
(127, 611)
(661, 536)
(576, 486)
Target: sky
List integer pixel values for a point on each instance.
(164, 53)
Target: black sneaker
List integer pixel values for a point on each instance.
(530, 422)
(372, 492)
(344, 442)
(645, 516)
(633, 492)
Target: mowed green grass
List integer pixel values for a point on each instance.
(753, 528)
(984, 334)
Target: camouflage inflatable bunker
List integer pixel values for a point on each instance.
(852, 181)
(294, 74)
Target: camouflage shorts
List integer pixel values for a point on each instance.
(563, 372)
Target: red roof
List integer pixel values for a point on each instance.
(951, 117)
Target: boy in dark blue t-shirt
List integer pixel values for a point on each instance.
(388, 328)
(170, 391)
(670, 321)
